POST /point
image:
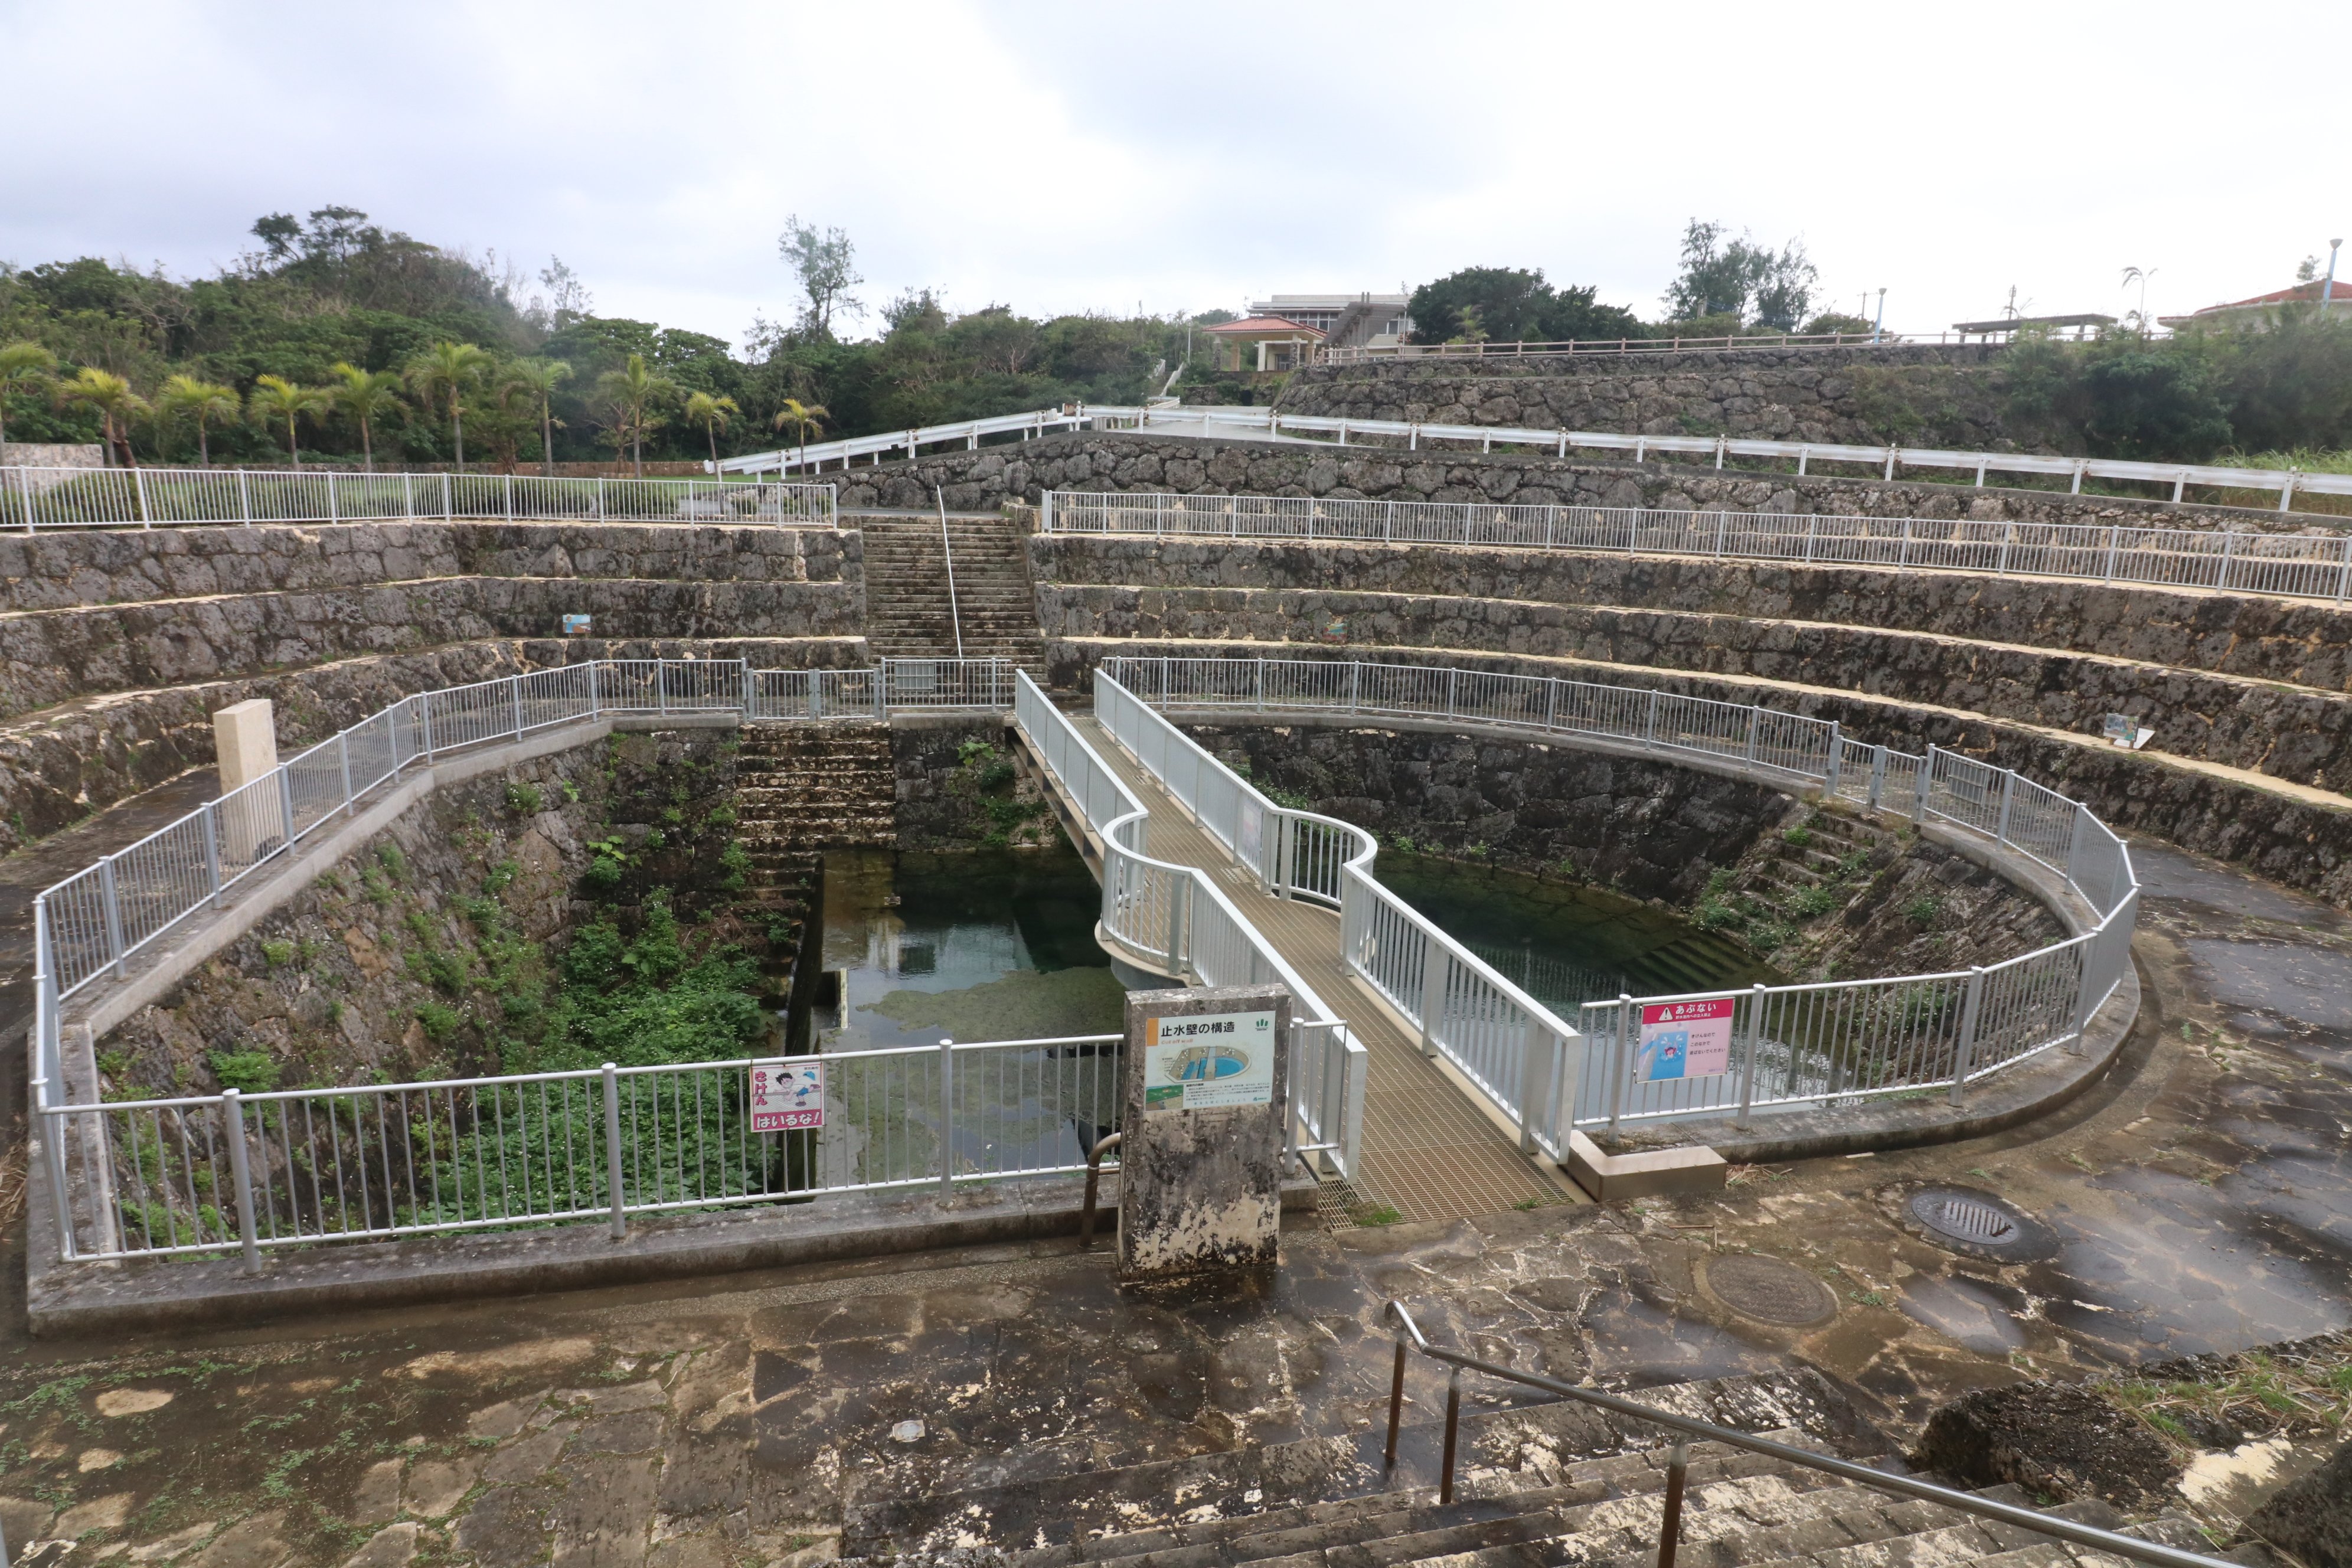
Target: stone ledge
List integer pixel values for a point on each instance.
(1657, 1172)
(141, 1296)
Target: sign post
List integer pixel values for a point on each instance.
(1200, 1160)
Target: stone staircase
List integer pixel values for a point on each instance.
(1542, 1486)
(802, 789)
(907, 607)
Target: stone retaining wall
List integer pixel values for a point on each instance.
(53, 656)
(1936, 396)
(58, 767)
(2304, 734)
(1129, 461)
(66, 569)
(2297, 843)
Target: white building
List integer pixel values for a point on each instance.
(1346, 321)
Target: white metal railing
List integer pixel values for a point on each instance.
(35, 499)
(1808, 1045)
(213, 1173)
(1178, 921)
(2300, 565)
(1267, 424)
(1513, 1049)
(91, 924)
(815, 456)
(1362, 354)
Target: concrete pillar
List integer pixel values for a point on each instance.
(1200, 1158)
(245, 740)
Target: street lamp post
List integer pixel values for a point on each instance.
(1878, 327)
(2327, 289)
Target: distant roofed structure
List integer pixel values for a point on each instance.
(2263, 308)
(1279, 343)
(2005, 325)
(1346, 321)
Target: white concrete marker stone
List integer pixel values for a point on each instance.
(1201, 1148)
(245, 742)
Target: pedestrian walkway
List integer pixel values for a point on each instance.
(1428, 1152)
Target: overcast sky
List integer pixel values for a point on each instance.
(1071, 157)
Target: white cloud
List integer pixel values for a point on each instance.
(1060, 156)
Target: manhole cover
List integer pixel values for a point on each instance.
(1767, 1290)
(1964, 1220)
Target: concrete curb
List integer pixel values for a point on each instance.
(65, 1300)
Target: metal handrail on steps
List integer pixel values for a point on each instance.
(1408, 1337)
(947, 552)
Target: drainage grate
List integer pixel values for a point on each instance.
(1965, 1220)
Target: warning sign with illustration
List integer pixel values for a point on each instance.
(1685, 1039)
(787, 1096)
(1208, 1061)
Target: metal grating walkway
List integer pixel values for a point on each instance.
(1428, 1152)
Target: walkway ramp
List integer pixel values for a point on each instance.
(1428, 1152)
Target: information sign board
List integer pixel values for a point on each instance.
(1685, 1039)
(787, 1096)
(1208, 1061)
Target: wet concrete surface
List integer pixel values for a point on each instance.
(2200, 1196)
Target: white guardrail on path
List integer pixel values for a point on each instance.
(1212, 422)
(1801, 1045)
(2296, 565)
(112, 1175)
(1178, 921)
(37, 498)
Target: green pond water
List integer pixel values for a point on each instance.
(978, 945)
(1563, 943)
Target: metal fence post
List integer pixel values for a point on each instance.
(594, 700)
(2007, 795)
(245, 496)
(1964, 1048)
(1837, 756)
(241, 1172)
(212, 848)
(1628, 1031)
(285, 802)
(1531, 1096)
(113, 915)
(1434, 962)
(425, 722)
(1747, 1068)
(947, 1117)
(1670, 1518)
(139, 484)
(613, 1185)
(331, 515)
(1926, 777)
(514, 689)
(1877, 778)
(344, 756)
(1755, 718)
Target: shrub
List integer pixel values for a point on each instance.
(249, 1072)
(1812, 902)
(523, 799)
(277, 954)
(395, 864)
(1924, 909)
(439, 1022)
(1797, 837)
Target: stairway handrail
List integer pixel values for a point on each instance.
(1408, 1336)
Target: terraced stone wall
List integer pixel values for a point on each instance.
(1935, 395)
(2246, 682)
(1130, 461)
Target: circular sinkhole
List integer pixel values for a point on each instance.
(1965, 1220)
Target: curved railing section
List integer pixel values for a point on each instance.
(1176, 919)
(1792, 1047)
(2290, 565)
(1515, 1051)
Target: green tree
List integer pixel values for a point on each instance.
(449, 370)
(801, 419)
(363, 396)
(116, 403)
(200, 403)
(1742, 279)
(1512, 304)
(826, 264)
(23, 366)
(275, 397)
(537, 379)
(712, 414)
(633, 396)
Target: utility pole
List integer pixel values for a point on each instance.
(2327, 289)
(1878, 327)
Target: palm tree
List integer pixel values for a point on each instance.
(449, 370)
(23, 366)
(275, 397)
(538, 378)
(111, 396)
(364, 396)
(185, 397)
(632, 393)
(802, 418)
(711, 414)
